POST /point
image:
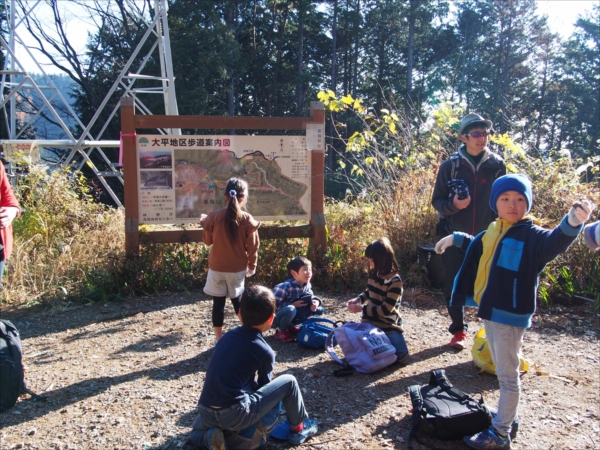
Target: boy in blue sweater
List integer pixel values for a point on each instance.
(294, 300)
(240, 401)
(500, 276)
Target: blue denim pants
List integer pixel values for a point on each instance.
(399, 343)
(283, 389)
(283, 317)
(290, 315)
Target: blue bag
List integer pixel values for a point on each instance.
(313, 334)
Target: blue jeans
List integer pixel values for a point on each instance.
(399, 343)
(290, 315)
(505, 344)
(250, 438)
(283, 389)
(283, 317)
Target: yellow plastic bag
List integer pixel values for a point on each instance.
(483, 358)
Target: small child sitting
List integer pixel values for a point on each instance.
(239, 398)
(295, 300)
(380, 302)
(500, 276)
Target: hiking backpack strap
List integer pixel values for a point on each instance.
(329, 346)
(438, 378)
(417, 402)
(455, 158)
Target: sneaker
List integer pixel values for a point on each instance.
(514, 428)
(488, 440)
(214, 439)
(403, 359)
(294, 329)
(459, 340)
(284, 335)
(310, 429)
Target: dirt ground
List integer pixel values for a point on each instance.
(128, 375)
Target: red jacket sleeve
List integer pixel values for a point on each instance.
(7, 198)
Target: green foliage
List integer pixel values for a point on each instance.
(61, 237)
(69, 248)
(394, 174)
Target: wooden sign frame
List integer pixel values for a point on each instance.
(130, 122)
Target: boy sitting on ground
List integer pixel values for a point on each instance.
(240, 402)
(295, 300)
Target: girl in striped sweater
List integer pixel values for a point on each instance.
(380, 302)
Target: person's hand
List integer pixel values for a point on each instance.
(314, 305)
(461, 204)
(443, 244)
(354, 305)
(249, 272)
(299, 303)
(580, 213)
(7, 215)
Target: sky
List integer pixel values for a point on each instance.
(562, 14)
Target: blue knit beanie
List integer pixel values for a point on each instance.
(514, 182)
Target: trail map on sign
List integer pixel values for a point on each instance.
(276, 168)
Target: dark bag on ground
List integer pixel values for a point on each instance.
(12, 383)
(445, 412)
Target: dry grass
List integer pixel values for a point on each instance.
(70, 249)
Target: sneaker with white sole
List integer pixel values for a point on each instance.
(310, 429)
(488, 439)
(459, 340)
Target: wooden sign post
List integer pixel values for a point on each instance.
(130, 122)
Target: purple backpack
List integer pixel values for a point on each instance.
(365, 347)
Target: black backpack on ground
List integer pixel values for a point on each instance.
(12, 383)
(445, 412)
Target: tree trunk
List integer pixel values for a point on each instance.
(300, 85)
(541, 106)
(330, 150)
(356, 48)
(411, 51)
(229, 15)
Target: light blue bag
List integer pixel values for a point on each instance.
(365, 347)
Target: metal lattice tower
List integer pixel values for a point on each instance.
(17, 83)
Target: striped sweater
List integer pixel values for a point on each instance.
(381, 303)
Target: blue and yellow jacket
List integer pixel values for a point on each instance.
(509, 289)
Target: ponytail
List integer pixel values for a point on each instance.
(235, 190)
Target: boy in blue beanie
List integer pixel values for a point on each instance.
(500, 276)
